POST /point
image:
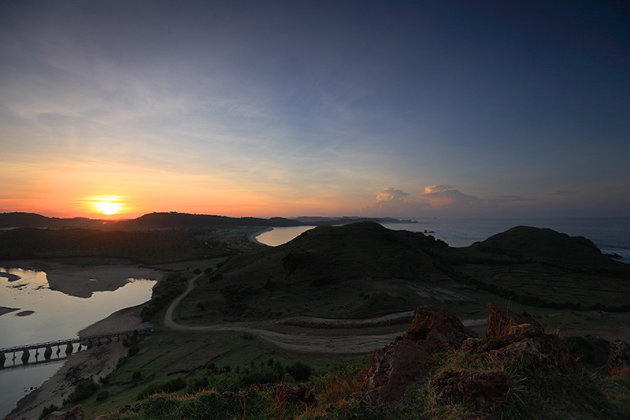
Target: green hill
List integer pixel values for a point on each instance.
(364, 269)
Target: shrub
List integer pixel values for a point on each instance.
(299, 371)
(197, 384)
(102, 396)
(47, 410)
(592, 351)
(163, 293)
(85, 388)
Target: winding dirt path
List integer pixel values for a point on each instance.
(353, 344)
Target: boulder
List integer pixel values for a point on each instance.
(437, 329)
(519, 336)
(502, 322)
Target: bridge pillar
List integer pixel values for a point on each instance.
(69, 349)
(48, 353)
(2, 359)
(25, 356)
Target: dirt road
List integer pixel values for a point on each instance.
(352, 344)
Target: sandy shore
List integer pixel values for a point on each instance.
(82, 281)
(252, 236)
(96, 362)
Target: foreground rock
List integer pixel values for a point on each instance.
(411, 358)
(518, 336)
(408, 358)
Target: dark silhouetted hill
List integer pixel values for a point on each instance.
(329, 254)
(531, 244)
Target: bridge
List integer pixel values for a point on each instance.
(67, 346)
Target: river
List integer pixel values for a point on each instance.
(56, 316)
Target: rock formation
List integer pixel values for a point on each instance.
(407, 359)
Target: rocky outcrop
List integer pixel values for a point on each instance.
(511, 337)
(518, 336)
(407, 359)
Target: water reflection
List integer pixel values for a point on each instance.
(281, 235)
(56, 316)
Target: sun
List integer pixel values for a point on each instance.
(108, 205)
(108, 208)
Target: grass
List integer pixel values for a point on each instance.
(170, 355)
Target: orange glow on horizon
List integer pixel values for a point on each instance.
(107, 205)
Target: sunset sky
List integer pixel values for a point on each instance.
(425, 108)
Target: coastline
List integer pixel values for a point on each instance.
(96, 362)
(252, 236)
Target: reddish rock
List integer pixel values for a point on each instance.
(407, 359)
(438, 329)
(519, 336)
(503, 322)
(394, 367)
(480, 391)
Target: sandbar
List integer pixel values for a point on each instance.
(82, 281)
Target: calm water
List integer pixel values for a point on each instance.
(279, 236)
(56, 316)
(610, 235)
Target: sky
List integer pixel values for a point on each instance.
(262, 108)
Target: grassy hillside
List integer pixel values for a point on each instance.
(363, 269)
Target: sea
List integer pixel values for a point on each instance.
(611, 235)
(55, 316)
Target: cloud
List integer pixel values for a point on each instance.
(397, 203)
(389, 194)
(437, 188)
(439, 196)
